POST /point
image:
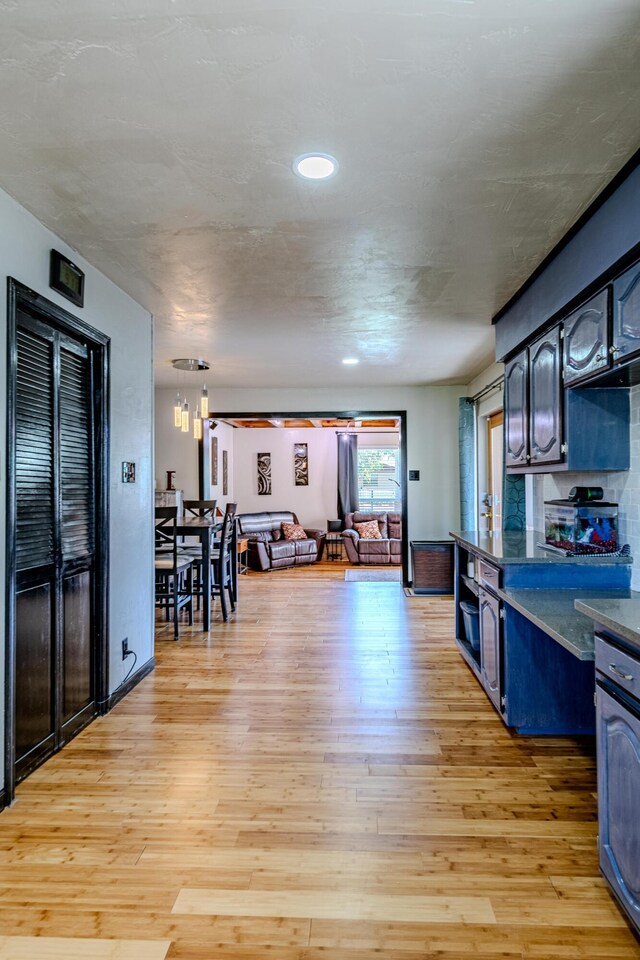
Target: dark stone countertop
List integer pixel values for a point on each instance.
(521, 547)
(555, 613)
(620, 614)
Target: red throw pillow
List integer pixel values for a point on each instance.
(293, 531)
(369, 530)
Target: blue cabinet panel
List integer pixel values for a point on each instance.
(597, 428)
(626, 314)
(547, 690)
(516, 404)
(618, 733)
(490, 646)
(545, 398)
(586, 339)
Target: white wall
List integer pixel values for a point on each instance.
(314, 504)
(226, 441)
(24, 255)
(487, 406)
(178, 451)
(488, 375)
(432, 436)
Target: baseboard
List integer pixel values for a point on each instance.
(122, 691)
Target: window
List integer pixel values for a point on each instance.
(379, 480)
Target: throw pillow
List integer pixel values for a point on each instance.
(369, 530)
(293, 531)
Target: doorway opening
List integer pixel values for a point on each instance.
(57, 530)
(381, 464)
(495, 470)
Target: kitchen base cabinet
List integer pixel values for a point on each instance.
(491, 647)
(546, 689)
(534, 670)
(537, 686)
(618, 793)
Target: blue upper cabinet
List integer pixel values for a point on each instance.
(550, 427)
(546, 399)
(626, 314)
(586, 339)
(516, 388)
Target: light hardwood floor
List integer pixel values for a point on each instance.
(319, 779)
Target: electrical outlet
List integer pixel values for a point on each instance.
(125, 648)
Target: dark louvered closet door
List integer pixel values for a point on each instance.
(77, 531)
(35, 547)
(55, 541)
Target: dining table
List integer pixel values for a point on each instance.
(204, 528)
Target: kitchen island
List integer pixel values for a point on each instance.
(535, 657)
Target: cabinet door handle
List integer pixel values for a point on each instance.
(599, 357)
(620, 673)
(614, 350)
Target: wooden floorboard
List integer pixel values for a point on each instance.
(321, 777)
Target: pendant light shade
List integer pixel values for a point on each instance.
(197, 425)
(185, 417)
(204, 403)
(177, 411)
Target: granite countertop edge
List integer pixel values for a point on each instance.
(583, 650)
(469, 538)
(620, 616)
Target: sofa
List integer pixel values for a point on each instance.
(386, 550)
(267, 548)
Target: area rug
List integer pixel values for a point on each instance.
(373, 576)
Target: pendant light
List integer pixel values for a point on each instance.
(185, 417)
(181, 409)
(197, 424)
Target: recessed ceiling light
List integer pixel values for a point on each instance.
(350, 361)
(315, 166)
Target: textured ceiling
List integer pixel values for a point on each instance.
(156, 136)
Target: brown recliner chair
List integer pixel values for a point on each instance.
(268, 550)
(386, 550)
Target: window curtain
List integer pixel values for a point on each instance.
(347, 473)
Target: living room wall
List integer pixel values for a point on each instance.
(179, 451)
(313, 504)
(432, 435)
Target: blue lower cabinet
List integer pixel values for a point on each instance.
(546, 689)
(490, 647)
(618, 732)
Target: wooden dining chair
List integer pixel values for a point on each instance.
(173, 570)
(164, 516)
(198, 508)
(223, 558)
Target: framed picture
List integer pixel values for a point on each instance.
(301, 464)
(214, 461)
(225, 474)
(264, 474)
